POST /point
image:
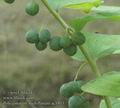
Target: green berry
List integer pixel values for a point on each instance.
(40, 46)
(32, 36)
(71, 50)
(32, 8)
(55, 44)
(44, 36)
(78, 102)
(9, 1)
(65, 41)
(78, 38)
(70, 88)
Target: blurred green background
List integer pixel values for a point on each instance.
(22, 67)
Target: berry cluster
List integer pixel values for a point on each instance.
(40, 39)
(72, 91)
(56, 43)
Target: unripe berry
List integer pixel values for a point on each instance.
(44, 36)
(70, 88)
(71, 50)
(9, 1)
(78, 102)
(78, 38)
(32, 8)
(55, 44)
(40, 46)
(32, 36)
(65, 41)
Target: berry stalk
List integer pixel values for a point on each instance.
(80, 68)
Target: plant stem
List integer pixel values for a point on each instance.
(95, 69)
(91, 62)
(108, 102)
(55, 14)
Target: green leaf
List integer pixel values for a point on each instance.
(102, 13)
(106, 85)
(115, 103)
(99, 45)
(79, 23)
(107, 10)
(86, 7)
(57, 4)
